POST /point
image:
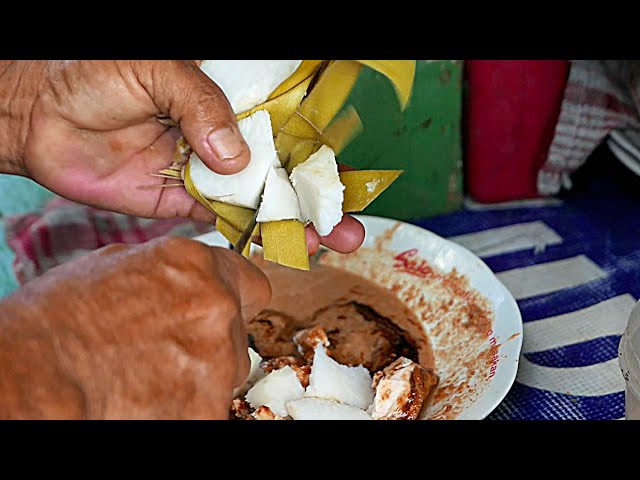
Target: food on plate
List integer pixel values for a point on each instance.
(241, 410)
(352, 350)
(310, 408)
(426, 336)
(363, 323)
(275, 390)
(336, 392)
(401, 390)
(256, 372)
(302, 370)
(265, 413)
(307, 339)
(333, 381)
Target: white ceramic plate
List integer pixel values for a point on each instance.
(473, 391)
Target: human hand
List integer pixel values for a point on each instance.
(90, 131)
(152, 331)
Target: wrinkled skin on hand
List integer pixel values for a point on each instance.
(152, 331)
(89, 131)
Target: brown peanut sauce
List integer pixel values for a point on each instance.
(366, 324)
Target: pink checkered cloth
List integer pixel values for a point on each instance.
(601, 96)
(64, 230)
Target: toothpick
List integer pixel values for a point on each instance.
(163, 175)
(172, 171)
(161, 185)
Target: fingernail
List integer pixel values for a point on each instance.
(225, 143)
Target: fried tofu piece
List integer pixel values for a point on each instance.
(308, 339)
(265, 413)
(401, 390)
(302, 370)
(240, 410)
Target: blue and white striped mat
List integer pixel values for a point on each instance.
(574, 268)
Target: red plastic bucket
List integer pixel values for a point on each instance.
(511, 111)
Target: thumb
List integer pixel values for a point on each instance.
(198, 105)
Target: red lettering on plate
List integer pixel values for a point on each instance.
(496, 358)
(406, 262)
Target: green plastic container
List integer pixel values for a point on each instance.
(424, 140)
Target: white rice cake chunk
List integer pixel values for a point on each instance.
(255, 373)
(332, 381)
(279, 200)
(248, 83)
(320, 192)
(243, 188)
(320, 409)
(276, 390)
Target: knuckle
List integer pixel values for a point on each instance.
(185, 247)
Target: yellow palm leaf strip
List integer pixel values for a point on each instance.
(299, 127)
(342, 130)
(401, 73)
(238, 217)
(300, 153)
(284, 242)
(227, 230)
(294, 150)
(361, 187)
(306, 69)
(286, 144)
(328, 95)
(320, 106)
(337, 135)
(233, 235)
(281, 108)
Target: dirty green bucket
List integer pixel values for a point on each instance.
(424, 140)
